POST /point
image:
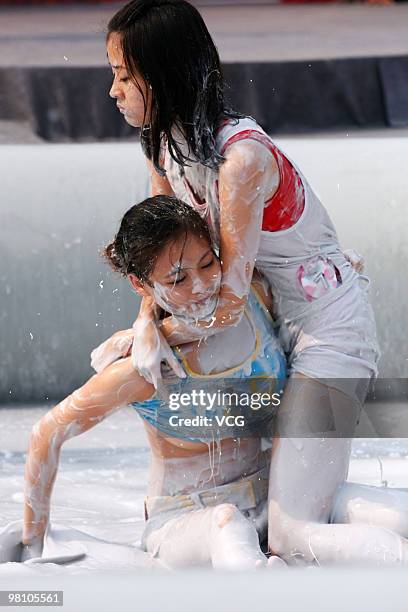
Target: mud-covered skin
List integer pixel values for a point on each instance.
(377, 516)
(178, 466)
(104, 393)
(313, 469)
(247, 178)
(117, 346)
(185, 282)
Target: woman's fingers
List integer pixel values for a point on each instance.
(356, 260)
(150, 349)
(147, 347)
(175, 364)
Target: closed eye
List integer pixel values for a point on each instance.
(210, 263)
(177, 281)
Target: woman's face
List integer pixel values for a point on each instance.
(186, 278)
(131, 97)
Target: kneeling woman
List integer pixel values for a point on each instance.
(207, 493)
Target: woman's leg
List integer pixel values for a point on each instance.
(379, 506)
(306, 473)
(220, 536)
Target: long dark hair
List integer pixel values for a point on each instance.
(168, 43)
(144, 231)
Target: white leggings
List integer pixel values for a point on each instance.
(314, 516)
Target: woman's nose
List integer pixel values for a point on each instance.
(202, 283)
(114, 91)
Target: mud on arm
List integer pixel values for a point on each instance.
(102, 395)
(247, 179)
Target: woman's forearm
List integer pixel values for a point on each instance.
(99, 397)
(39, 476)
(245, 181)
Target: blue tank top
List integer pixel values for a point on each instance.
(239, 402)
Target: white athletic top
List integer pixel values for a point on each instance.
(304, 264)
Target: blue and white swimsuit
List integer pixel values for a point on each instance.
(234, 393)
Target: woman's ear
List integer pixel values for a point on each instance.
(137, 285)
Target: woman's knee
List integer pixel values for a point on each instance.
(224, 514)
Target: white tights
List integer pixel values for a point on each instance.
(314, 516)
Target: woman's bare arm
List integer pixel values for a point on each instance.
(248, 178)
(103, 394)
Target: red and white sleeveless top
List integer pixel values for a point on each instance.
(299, 250)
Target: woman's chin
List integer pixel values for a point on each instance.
(133, 124)
(132, 121)
(202, 311)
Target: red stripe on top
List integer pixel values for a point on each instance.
(285, 207)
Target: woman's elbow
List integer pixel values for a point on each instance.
(54, 428)
(44, 441)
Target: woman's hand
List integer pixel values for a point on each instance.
(116, 347)
(103, 394)
(150, 347)
(31, 551)
(356, 260)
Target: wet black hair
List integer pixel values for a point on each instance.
(167, 42)
(146, 229)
